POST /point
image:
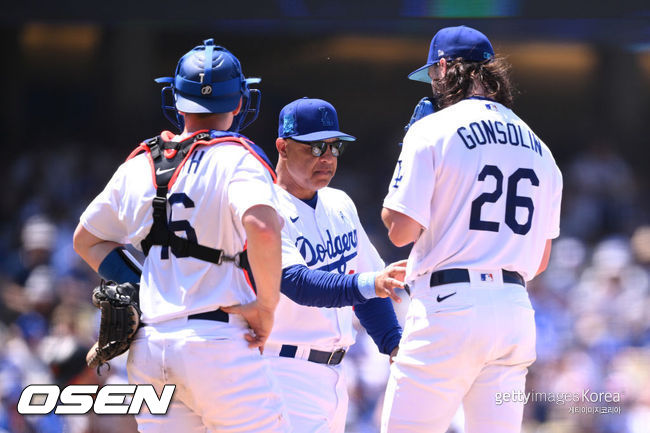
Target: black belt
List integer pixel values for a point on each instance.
(217, 315)
(317, 356)
(449, 276)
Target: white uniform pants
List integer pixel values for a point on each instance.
(464, 349)
(315, 395)
(221, 384)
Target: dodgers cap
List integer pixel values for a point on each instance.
(453, 42)
(310, 119)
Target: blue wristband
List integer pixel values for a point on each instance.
(366, 284)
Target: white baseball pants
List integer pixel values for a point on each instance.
(463, 349)
(315, 395)
(221, 384)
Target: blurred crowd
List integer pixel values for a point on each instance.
(592, 304)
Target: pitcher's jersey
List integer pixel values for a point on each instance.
(214, 189)
(485, 188)
(330, 238)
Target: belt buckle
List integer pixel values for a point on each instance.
(342, 351)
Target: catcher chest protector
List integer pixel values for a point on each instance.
(166, 159)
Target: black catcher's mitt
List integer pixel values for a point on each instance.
(120, 321)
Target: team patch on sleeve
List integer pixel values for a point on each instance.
(398, 176)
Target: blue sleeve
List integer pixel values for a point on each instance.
(315, 288)
(120, 266)
(378, 317)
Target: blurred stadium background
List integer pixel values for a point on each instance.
(79, 95)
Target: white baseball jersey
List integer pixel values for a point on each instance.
(216, 186)
(501, 215)
(330, 238)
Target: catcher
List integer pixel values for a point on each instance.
(206, 221)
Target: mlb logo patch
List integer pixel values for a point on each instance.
(491, 107)
(487, 277)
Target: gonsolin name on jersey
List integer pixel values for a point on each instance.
(491, 132)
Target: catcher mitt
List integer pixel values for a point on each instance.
(120, 320)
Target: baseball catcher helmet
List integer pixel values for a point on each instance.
(208, 79)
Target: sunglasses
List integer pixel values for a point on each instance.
(320, 147)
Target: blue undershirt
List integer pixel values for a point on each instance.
(311, 202)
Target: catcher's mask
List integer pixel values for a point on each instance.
(208, 79)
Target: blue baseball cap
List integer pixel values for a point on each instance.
(310, 119)
(453, 42)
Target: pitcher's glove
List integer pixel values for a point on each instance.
(424, 107)
(120, 320)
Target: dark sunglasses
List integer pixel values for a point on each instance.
(320, 147)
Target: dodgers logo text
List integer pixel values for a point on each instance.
(333, 249)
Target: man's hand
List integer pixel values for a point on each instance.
(388, 279)
(260, 320)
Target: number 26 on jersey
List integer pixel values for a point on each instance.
(513, 201)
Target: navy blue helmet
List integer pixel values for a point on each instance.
(209, 79)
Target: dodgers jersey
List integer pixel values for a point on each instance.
(214, 189)
(329, 238)
(485, 188)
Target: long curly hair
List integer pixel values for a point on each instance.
(493, 75)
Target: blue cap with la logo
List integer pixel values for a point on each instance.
(310, 119)
(451, 43)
